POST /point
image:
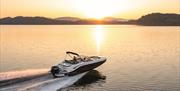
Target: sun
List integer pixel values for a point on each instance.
(97, 13)
(98, 9)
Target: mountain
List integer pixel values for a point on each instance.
(159, 19)
(27, 20)
(112, 19)
(154, 19)
(20, 20)
(73, 19)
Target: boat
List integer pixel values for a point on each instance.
(75, 64)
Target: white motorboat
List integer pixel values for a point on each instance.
(75, 64)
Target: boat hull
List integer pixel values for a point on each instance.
(79, 70)
(85, 68)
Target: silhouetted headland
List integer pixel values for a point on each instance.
(154, 19)
(158, 19)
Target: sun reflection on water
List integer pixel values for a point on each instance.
(98, 33)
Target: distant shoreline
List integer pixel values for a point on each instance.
(84, 24)
(154, 19)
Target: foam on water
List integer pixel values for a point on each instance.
(54, 84)
(21, 74)
(39, 83)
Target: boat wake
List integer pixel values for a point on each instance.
(55, 84)
(35, 80)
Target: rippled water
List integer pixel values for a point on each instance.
(139, 58)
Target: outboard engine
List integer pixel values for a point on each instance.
(55, 70)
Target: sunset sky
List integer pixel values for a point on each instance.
(128, 9)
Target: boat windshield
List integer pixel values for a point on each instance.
(72, 58)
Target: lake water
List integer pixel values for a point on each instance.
(139, 58)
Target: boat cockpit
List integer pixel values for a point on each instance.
(74, 58)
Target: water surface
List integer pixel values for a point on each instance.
(140, 58)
